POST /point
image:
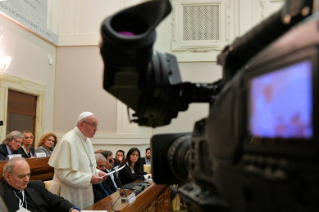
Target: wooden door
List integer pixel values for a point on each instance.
(21, 112)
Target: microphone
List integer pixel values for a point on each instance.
(122, 189)
(115, 175)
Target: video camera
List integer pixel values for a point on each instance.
(258, 149)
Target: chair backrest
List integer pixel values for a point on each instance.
(47, 184)
(147, 168)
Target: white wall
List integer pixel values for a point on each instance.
(74, 84)
(30, 62)
(80, 20)
(79, 25)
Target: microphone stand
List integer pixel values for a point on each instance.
(115, 175)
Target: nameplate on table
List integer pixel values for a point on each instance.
(40, 155)
(13, 156)
(131, 198)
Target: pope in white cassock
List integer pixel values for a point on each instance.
(74, 163)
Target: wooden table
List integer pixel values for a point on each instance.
(155, 198)
(40, 169)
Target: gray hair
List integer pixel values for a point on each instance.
(99, 157)
(10, 165)
(106, 153)
(12, 135)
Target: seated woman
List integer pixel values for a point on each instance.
(119, 157)
(47, 143)
(26, 150)
(132, 170)
(11, 144)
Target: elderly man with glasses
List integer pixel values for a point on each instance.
(75, 165)
(11, 144)
(113, 181)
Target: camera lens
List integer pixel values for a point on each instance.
(178, 157)
(128, 25)
(171, 155)
(128, 34)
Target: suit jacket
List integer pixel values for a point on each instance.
(43, 149)
(98, 191)
(22, 152)
(143, 161)
(116, 180)
(127, 176)
(4, 152)
(44, 200)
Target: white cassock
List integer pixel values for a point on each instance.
(74, 164)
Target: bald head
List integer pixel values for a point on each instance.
(17, 173)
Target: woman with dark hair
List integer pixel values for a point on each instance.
(133, 168)
(119, 157)
(47, 143)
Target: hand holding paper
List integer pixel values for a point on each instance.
(116, 170)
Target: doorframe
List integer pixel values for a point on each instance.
(24, 86)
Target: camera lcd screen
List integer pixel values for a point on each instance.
(281, 103)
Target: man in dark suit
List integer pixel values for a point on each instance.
(147, 159)
(113, 181)
(11, 144)
(18, 192)
(101, 190)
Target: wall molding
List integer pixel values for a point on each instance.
(25, 86)
(117, 139)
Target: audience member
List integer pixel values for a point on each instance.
(147, 159)
(47, 143)
(119, 157)
(98, 151)
(133, 168)
(113, 179)
(26, 150)
(74, 163)
(20, 194)
(11, 144)
(101, 190)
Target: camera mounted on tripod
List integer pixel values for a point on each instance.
(258, 149)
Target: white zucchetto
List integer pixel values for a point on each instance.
(84, 115)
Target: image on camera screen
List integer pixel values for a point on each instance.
(281, 104)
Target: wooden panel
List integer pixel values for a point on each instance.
(40, 169)
(145, 201)
(151, 207)
(167, 199)
(21, 103)
(160, 204)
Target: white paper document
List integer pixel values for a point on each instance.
(92, 211)
(116, 170)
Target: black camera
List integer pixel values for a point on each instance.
(258, 149)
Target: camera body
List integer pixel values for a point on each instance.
(272, 169)
(258, 149)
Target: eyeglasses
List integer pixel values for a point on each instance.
(92, 125)
(16, 141)
(111, 160)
